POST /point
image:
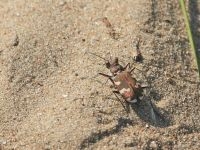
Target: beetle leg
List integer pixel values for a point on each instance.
(108, 76)
(132, 70)
(105, 75)
(117, 92)
(127, 65)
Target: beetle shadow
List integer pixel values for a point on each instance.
(100, 135)
(150, 113)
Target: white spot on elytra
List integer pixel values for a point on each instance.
(124, 90)
(118, 83)
(133, 101)
(128, 99)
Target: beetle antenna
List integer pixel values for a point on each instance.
(97, 56)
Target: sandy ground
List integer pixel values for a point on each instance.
(52, 96)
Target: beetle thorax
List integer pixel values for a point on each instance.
(116, 69)
(114, 66)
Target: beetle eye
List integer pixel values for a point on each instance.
(108, 64)
(116, 60)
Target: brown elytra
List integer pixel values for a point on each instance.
(125, 84)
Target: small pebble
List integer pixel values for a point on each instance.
(61, 3)
(2, 141)
(35, 43)
(15, 40)
(46, 43)
(99, 119)
(65, 95)
(171, 81)
(147, 126)
(153, 145)
(17, 14)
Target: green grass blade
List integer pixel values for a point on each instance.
(189, 32)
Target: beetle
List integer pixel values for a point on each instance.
(124, 84)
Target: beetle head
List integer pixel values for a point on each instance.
(114, 66)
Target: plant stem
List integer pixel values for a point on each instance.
(189, 32)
